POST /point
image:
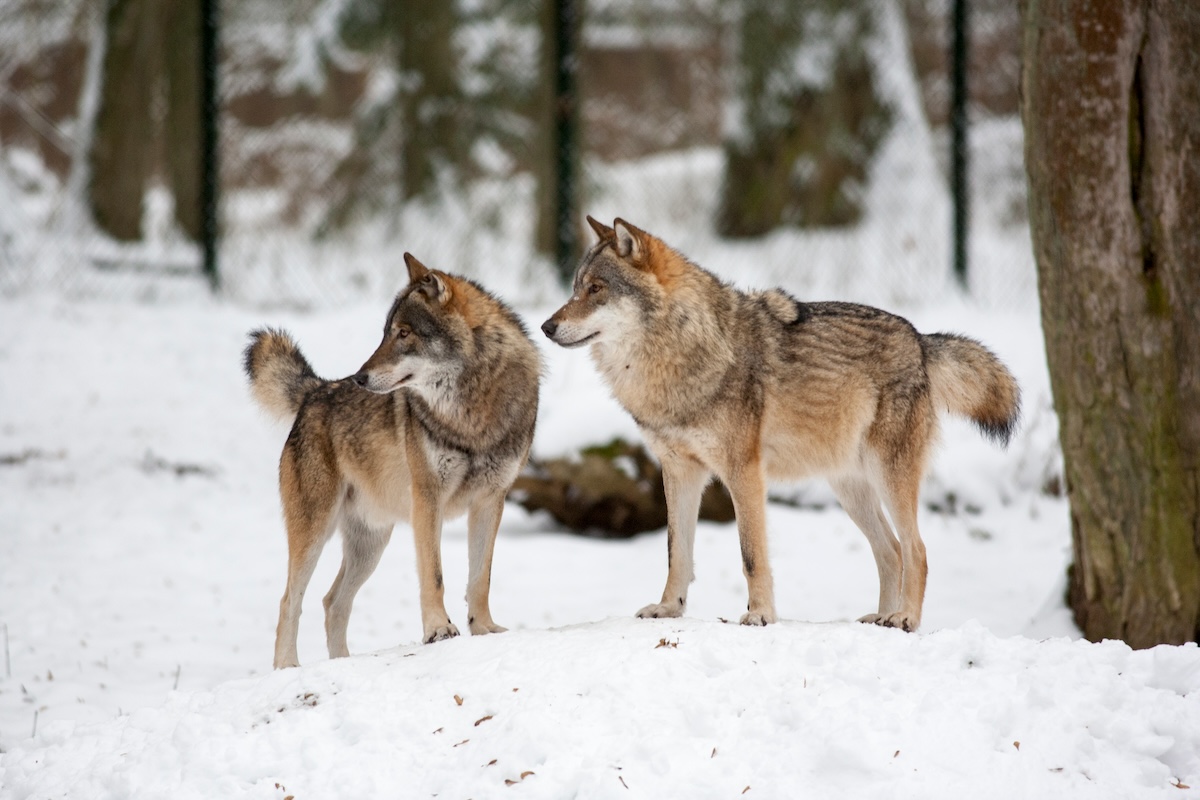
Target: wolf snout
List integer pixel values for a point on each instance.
(549, 327)
(360, 379)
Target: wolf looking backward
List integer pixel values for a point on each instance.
(438, 421)
(758, 386)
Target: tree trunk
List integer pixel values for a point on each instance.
(148, 122)
(1111, 107)
(811, 117)
(403, 142)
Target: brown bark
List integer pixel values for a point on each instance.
(1111, 107)
(805, 143)
(148, 123)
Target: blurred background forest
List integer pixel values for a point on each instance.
(797, 143)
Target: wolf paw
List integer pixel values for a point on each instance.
(661, 611)
(901, 620)
(871, 619)
(759, 618)
(480, 628)
(447, 631)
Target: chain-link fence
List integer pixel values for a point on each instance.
(804, 144)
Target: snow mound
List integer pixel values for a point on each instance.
(681, 708)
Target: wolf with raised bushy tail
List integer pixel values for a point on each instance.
(438, 421)
(759, 386)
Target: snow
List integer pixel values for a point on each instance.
(691, 708)
(143, 558)
(142, 555)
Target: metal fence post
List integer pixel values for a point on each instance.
(958, 135)
(566, 111)
(210, 138)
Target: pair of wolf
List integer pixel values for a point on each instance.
(748, 387)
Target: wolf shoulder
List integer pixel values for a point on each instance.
(347, 417)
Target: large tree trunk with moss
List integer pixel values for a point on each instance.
(1111, 106)
(810, 117)
(148, 121)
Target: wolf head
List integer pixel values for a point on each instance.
(424, 337)
(622, 277)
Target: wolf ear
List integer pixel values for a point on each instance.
(631, 241)
(416, 270)
(602, 231)
(429, 283)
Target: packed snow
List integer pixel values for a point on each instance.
(143, 558)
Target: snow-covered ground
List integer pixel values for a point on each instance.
(142, 559)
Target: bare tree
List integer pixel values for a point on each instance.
(1111, 107)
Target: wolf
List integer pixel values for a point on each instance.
(759, 386)
(438, 421)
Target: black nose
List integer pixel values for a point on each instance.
(360, 378)
(549, 327)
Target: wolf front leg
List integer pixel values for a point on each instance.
(747, 486)
(427, 535)
(426, 519)
(683, 481)
(483, 520)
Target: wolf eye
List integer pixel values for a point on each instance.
(402, 332)
(593, 288)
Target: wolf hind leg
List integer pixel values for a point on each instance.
(311, 513)
(683, 481)
(362, 547)
(901, 498)
(861, 503)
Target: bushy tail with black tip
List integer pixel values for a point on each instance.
(968, 380)
(280, 376)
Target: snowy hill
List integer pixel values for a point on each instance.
(657, 709)
(142, 551)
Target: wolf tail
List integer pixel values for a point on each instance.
(280, 376)
(968, 380)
